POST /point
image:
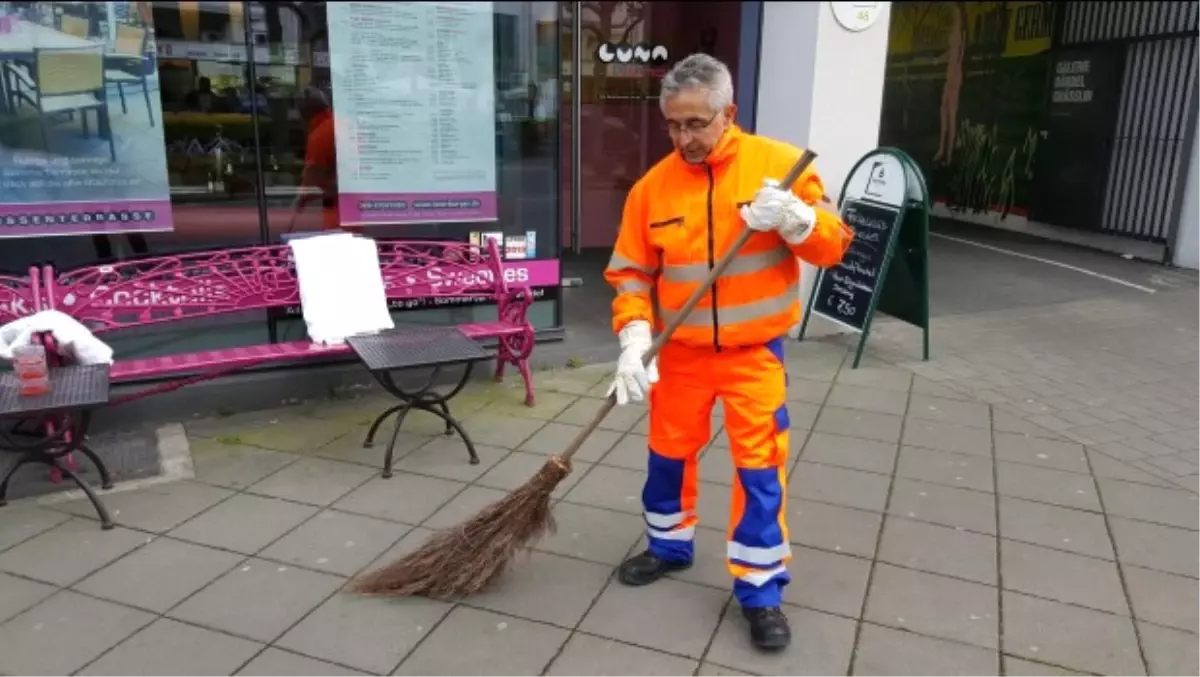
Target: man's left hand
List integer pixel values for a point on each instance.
(781, 210)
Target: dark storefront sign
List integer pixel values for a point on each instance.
(1077, 137)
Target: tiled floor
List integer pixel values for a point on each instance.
(932, 534)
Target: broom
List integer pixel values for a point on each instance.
(464, 559)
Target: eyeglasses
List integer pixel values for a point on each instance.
(692, 127)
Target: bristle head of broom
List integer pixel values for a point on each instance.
(465, 559)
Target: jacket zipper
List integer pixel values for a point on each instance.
(716, 324)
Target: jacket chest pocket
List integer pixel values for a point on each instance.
(674, 237)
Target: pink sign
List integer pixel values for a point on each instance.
(543, 273)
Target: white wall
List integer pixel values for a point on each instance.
(1187, 241)
(821, 87)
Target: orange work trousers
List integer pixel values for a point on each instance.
(752, 384)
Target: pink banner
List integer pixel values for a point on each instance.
(537, 273)
(84, 218)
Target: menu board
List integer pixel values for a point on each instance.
(844, 292)
(414, 111)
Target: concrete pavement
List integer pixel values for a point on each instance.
(1023, 503)
(932, 534)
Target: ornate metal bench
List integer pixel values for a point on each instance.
(19, 296)
(187, 287)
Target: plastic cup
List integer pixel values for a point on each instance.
(29, 365)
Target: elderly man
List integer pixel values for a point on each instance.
(679, 219)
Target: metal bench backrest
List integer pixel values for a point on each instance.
(156, 290)
(19, 296)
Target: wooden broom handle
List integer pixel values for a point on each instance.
(790, 178)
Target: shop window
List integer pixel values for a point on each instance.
(234, 143)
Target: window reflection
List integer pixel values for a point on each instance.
(250, 153)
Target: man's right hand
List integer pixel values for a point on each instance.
(633, 379)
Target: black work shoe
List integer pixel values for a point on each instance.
(769, 628)
(646, 568)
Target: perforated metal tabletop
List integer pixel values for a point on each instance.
(74, 387)
(412, 348)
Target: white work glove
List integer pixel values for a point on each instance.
(776, 209)
(632, 380)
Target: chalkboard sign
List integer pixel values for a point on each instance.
(886, 203)
(845, 291)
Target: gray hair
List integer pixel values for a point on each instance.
(699, 71)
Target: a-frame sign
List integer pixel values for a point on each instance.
(886, 202)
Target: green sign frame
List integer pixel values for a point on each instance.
(901, 290)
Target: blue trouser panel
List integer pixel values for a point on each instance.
(758, 543)
(758, 548)
(662, 500)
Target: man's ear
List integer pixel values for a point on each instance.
(731, 112)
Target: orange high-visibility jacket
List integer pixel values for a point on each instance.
(680, 219)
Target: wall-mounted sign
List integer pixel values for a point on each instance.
(856, 16)
(643, 54)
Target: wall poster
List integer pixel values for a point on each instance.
(81, 137)
(414, 111)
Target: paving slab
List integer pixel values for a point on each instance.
(1055, 527)
(19, 594)
(1070, 636)
(235, 466)
(336, 542)
(839, 486)
(1062, 576)
(934, 605)
(1163, 599)
(475, 642)
(372, 634)
(963, 471)
(65, 633)
(403, 497)
(316, 481)
(244, 523)
(942, 436)
(857, 423)
(21, 522)
(849, 452)
(168, 647)
(1169, 651)
(887, 651)
(159, 575)
(1152, 546)
(1151, 504)
(589, 655)
(156, 508)
(939, 550)
(947, 506)
(831, 527)
(821, 645)
(69, 551)
(258, 600)
(547, 588)
(635, 615)
(278, 663)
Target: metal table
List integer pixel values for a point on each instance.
(62, 417)
(388, 352)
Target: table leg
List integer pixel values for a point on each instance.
(426, 400)
(64, 438)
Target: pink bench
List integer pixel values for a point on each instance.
(172, 289)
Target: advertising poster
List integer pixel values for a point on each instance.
(414, 95)
(964, 94)
(81, 140)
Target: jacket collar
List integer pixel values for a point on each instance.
(722, 153)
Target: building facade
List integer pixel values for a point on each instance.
(241, 124)
(1073, 120)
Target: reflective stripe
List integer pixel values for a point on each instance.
(661, 521)
(758, 578)
(760, 556)
(685, 534)
(747, 312)
(744, 264)
(633, 287)
(618, 263)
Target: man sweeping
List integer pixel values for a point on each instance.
(679, 219)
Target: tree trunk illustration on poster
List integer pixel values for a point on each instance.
(964, 94)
